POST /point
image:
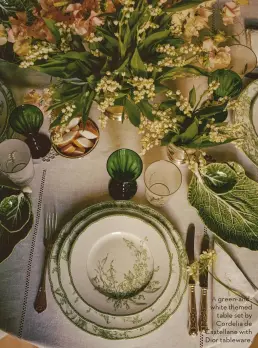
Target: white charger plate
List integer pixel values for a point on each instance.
(77, 224)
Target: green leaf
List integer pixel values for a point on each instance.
(177, 42)
(15, 211)
(203, 141)
(137, 64)
(53, 71)
(146, 109)
(87, 101)
(167, 139)
(227, 201)
(124, 65)
(51, 24)
(217, 112)
(111, 39)
(82, 56)
(190, 132)
(183, 5)
(187, 70)
(192, 97)
(133, 112)
(92, 81)
(230, 83)
(167, 104)
(154, 39)
(127, 37)
(56, 121)
(86, 71)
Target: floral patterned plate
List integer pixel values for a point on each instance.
(248, 116)
(77, 226)
(120, 312)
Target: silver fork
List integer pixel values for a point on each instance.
(40, 303)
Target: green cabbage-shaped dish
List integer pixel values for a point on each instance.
(15, 209)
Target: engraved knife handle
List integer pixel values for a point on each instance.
(203, 322)
(193, 327)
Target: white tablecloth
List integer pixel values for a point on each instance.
(71, 185)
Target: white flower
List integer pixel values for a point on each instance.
(230, 11)
(216, 57)
(194, 25)
(221, 58)
(204, 12)
(208, 45)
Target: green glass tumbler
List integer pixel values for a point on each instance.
(124, 167)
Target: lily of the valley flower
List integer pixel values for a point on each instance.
(230, 11)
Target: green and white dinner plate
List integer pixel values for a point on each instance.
(248, 116)
(96, 226)
(7, 104)
(119, 311)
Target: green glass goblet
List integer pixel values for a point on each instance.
(27, 119)
(124, 166)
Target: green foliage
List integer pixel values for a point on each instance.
(188, 135)
(137, 65)
(10, 7)
(133, 112)
(146, 109)
(87, 101)
(183, 5)
(232, 212)
(185, 71)
(230, 83)
(51, 24)
(192, 97)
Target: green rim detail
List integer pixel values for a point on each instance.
(95, 329)
(95, 217)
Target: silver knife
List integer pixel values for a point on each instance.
(203, 280)
(189, 244)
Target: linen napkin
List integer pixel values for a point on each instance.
(234, 320)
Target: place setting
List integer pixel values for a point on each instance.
(128, 234)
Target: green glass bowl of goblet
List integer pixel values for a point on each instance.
(124, 167)
(27, 120)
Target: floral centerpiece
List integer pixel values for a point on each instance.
(122, 52)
